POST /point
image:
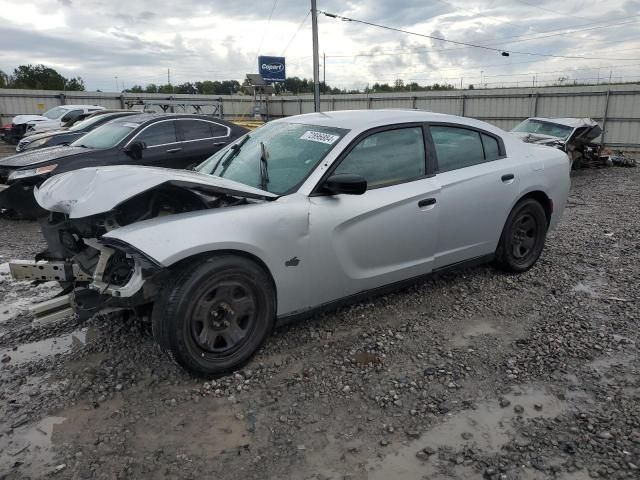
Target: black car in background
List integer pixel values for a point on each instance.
(64, 136)
(159, 140)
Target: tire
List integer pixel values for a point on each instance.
(214, 314)
(523, 237)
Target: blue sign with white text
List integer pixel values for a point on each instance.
(272, 69)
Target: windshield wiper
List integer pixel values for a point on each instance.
(226, 159)
(264, 173)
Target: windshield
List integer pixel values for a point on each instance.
(276, 157)
(544, 128)
(54, 113)
(105, 136)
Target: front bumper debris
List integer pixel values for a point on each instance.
(47, 271)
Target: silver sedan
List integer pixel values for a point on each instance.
(300, 215)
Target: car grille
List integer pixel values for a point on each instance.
(19, 130)
(4, 175)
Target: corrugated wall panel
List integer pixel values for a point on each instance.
(502, 107)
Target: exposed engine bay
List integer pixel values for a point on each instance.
(103, 273)
(574, 136)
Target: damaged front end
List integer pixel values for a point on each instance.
(574, 136)
(103, 273)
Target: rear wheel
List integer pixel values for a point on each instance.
(523, 237)
(214, 315)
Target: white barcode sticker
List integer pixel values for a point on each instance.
(319, 137)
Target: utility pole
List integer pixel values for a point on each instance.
(168, 77)
(116, 77)
(324, 71)
(316, 60)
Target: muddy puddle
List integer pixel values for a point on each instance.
(31, 352)
(486, 428)
(30, 448)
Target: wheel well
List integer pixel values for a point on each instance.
(543, 200)
(199, 257)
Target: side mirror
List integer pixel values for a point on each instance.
(134, 150)
(346, 183)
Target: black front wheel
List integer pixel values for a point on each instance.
(213, 315)
(523, 237)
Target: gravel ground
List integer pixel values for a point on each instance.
(474, 374)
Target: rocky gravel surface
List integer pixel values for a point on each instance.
(473, 374)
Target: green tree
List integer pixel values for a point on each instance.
(37, 77)
(151, 88)
(168, 88)
(135, 89)
(74, 84)
(4, 80)
(186, 87)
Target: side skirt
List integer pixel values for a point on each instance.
(378, 291)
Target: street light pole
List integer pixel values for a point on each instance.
(316, 59)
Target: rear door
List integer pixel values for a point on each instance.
(479, 184)
(163, 147)
(201, 138)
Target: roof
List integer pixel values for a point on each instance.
(569, 122)
(70, 107)
(364, 119)
(148, 117)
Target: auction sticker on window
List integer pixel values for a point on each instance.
(320, 137)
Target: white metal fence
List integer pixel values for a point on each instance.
(615, 107)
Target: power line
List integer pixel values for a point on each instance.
(296, 32)
(504, 52)
(266, 28)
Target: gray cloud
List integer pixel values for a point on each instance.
(216, 39)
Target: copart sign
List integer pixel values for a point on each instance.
(272, 69)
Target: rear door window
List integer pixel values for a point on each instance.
(159, 133)
(456, 147)
(195, 129)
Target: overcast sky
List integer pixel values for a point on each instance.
(214, 39)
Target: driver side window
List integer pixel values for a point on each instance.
(387, 158)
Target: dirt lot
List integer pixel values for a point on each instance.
(471, 374)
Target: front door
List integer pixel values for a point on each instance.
(386, 235)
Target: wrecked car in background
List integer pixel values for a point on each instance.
(49, 120)
(304, 213)
(162, 140)
(574, 136)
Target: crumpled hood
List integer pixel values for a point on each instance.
(34, 157)
(90, 191)
(20, 119)
(538, 138)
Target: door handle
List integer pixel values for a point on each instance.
(426, 202)
(507, 177)
(174, 150)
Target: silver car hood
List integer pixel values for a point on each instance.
(20, 119)
(90, 191)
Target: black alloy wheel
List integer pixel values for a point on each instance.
(523, 237)
(213, 313)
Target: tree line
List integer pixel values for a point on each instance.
(39, 77)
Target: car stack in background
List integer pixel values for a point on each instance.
(162, 140)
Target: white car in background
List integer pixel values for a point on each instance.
(51, 119)
(304, 213)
